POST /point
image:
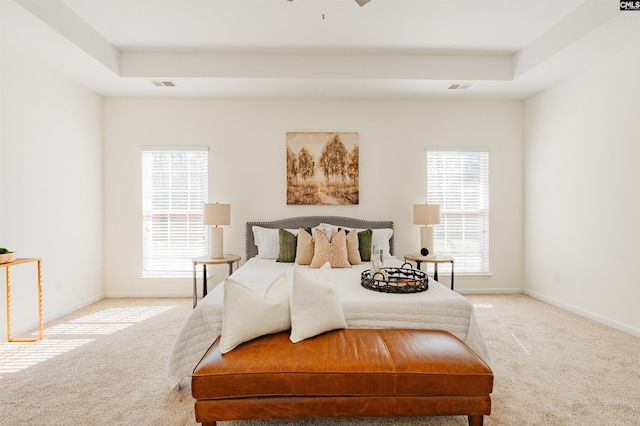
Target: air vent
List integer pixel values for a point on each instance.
(459, 86)
(163, 83)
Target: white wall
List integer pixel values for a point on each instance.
(247, 169)
(582, 192)
(50, 189)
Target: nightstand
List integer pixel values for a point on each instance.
(435, 259)
(229, 259)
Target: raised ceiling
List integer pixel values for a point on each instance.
(502, 49)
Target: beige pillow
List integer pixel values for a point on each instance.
(334, 252)
(304, 249)
(353, 248)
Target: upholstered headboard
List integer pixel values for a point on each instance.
(311, 221)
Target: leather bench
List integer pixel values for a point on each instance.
(343, 373)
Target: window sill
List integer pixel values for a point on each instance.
(174, 275)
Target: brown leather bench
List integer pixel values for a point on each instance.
(344, 373)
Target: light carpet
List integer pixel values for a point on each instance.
(105, 365)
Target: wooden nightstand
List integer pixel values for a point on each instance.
(230, 259)
(435, 259)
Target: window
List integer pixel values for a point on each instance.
(459, 182)
(174, 189)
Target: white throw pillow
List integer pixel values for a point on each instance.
(247, 315)
(315, 305)
(268, 241)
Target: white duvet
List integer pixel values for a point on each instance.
(437, 308)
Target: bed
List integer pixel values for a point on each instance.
(439, 308)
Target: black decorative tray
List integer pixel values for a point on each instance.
(395, 280)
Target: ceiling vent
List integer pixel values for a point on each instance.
(163, 83)
(459, 86)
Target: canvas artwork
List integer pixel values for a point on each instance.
(322, 168)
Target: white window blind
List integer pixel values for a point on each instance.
(174, 189)
(459, 182)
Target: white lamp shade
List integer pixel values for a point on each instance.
(426, 214)
(217, 214)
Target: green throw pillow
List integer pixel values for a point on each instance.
(364, 244)
(288, 244)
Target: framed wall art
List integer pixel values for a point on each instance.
(322, 168)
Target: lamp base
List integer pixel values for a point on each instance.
(216, 250)
(426, 239)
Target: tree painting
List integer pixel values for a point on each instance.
(322, 168)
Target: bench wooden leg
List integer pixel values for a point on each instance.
(208, 423)
(476, 420)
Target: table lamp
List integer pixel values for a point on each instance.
(427, 215)
(215, 215)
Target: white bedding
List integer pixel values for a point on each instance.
(437, 308)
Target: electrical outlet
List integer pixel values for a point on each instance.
(556, 277)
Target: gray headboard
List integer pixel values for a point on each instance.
(311, 221)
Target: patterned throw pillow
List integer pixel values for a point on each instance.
(334, 252)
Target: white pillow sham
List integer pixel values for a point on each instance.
(268, 241)
(381, 238)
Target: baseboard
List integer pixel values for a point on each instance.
(489, 290)
(69, 309)
(598, 318)
(127, 295)
(58, 314)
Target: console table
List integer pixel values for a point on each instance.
(7, 267)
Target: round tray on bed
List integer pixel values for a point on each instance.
(404, 279)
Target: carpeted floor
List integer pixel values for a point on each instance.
(105, 365)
